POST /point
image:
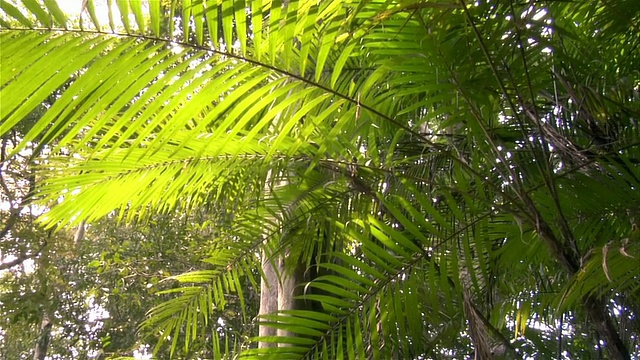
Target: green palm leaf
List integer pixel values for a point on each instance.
(448, 171)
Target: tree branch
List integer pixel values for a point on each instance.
(22, 258)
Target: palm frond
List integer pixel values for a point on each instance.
(449, 171)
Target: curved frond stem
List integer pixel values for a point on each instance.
(327, 89)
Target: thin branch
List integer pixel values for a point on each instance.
(14, 213)
(22, 258)
(544, 166)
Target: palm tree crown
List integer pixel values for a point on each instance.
(451, 177)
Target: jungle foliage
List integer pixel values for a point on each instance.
(457, 178)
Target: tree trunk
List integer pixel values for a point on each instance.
(268, 297)
(479, 334)
(597, 312)
(599, 315)
(44, 335)
(79, 235)
(42, 343)
(279, 287)
(292, 276)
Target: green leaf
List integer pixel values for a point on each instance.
(38, 12)
(136, 9)
(123, 8)
(91, 8)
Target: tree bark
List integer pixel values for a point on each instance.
(596, 308)
(42, 344)
(597, 312)
(292, 275)
(479, 335)
(268, 298)
(79, 235)
(279, 289)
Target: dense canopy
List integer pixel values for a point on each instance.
(415, 179)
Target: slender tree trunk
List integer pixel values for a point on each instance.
(279, 289)
(488, 342)
(42, 343)
(44, 334)
(268, 297)
(79, 235)
(599, 315)
(567, 255)
(479, 334)
(292, 276)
